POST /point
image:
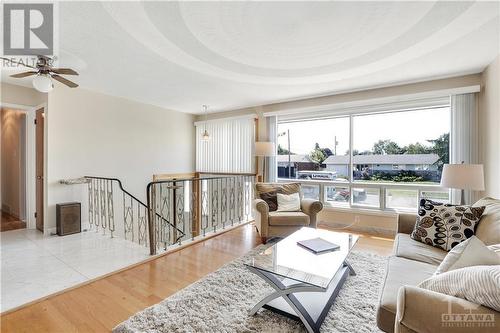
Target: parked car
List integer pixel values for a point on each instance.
(344, 195)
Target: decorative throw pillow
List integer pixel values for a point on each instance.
(444, 225)
(288, 202)
(271, 199)
(471, 252)
(495, 248)
(477, 284)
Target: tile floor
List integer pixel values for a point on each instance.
(34, 266)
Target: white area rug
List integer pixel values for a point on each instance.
(220, 302)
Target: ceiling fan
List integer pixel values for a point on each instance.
(45, 73)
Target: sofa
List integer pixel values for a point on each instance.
(281, 224)
(403, 307)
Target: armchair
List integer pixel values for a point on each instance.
(281, 224)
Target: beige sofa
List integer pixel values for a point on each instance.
(403, 307)
(281, 224)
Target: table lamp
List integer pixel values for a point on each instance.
(264, 149)
(463, 177)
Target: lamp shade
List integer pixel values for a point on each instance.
(263, 148)
(463, 176)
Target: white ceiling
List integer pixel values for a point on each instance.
(237, 54)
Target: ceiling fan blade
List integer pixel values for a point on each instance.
(64, 81)
(17, 76)
(17, 62)
(65, 71)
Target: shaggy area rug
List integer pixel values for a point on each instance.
(220, 302)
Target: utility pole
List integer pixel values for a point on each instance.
(289, 157)
(335, 144)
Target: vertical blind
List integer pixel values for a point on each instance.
(463, 140)
(272, 136)
(230, 147)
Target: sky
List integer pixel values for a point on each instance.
(402, 127)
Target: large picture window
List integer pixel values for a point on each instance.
(389, 161)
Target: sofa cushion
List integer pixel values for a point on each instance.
(288, 218)
(472, 252)
(488, 229)
(477, 284)
(285, 188)
(445, 225)
(399, 272)
(408, 248)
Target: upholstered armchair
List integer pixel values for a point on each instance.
(281, 224)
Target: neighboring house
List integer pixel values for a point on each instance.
(420, 163)
(339, 164)
(297, 162)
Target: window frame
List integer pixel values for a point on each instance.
(382, 187)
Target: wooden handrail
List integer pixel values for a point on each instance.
(227, 173)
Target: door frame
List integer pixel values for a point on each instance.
(31, 160)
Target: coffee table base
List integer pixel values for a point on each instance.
(309, 304)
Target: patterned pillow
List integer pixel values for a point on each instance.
(444, 225)
(271, 199)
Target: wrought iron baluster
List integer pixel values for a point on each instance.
(111, 208)
(193, 207)
(91, 203)
(224, 203)
(180, 210)
(102, 197)
(215, 205)
(96, 205)
(204, 207)
(141, 222)
(128, 218)
(247, 198)
(239, 190)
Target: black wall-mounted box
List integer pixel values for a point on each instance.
(68, 218)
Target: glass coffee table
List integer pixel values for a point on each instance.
(306, 284)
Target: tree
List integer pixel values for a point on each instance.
(416, 148)
(441, 147)
(283, 151)
(317, 155)
(386, 147)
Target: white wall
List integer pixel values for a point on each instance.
(489, 127)
(100, 135)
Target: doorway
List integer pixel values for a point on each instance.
(13, 166)
(39, 153)
(26, 124)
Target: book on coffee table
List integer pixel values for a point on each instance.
(318, 245)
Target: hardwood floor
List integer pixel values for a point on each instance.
(10, 222)
(102, 304)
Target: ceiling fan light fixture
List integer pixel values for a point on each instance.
(205, 136)
(43, 83)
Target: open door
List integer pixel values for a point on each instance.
(39, 123)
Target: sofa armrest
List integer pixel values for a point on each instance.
(311, 207)
(261, 215)
(421, 310)
(406, 223)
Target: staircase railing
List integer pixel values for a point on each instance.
(197, 206)
(135, 226)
